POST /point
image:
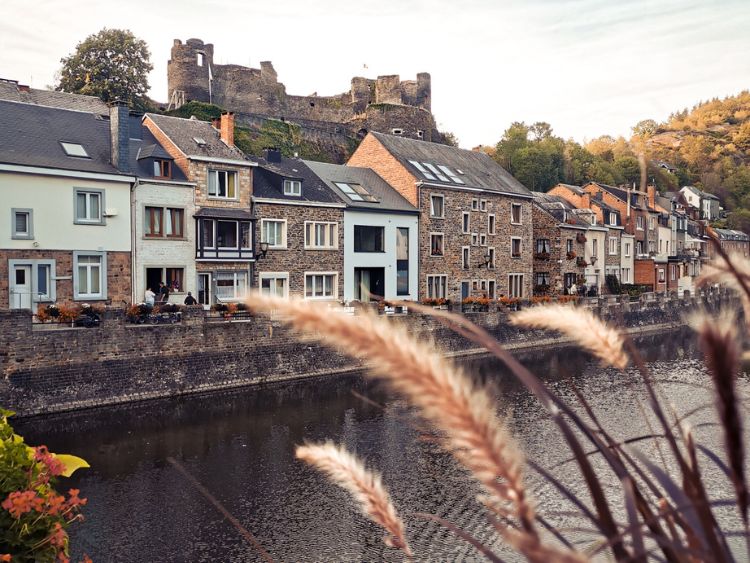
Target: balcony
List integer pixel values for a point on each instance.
(224, 238)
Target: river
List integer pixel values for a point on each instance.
(239, 445)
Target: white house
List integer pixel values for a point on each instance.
(381, 228)
(627, 251)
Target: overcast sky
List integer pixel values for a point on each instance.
(588, 67)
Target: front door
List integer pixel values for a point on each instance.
(204, 290)
(20, 287)
(465, 290)
(369, 283)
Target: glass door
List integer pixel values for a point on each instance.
(204, 290)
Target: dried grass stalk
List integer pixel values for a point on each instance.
(731, 270)
(445, 396)
(588, 331)
(365, 486)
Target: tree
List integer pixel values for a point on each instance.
(514, 139)
(112, 64)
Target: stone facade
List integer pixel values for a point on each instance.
(294, 260)
(559, 266)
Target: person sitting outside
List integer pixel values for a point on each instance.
(149, 297)
(190, 300)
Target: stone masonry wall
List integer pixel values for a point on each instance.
(558, 264)
(52, 370)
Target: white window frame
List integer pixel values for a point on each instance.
(237, 295)
(333, 244)
(520, 278)
(483, 205)
(29, 233)
(465, 257)
(274, 276)
(293, 187)
(442, 282)
(283, 222)
(491, 224)
(88, 220)
(475, 204)
(102, 295)
(651, 223)
(491, 252)
(482, 239)
(613, 246)
(626, 275)
(465, 222)
(520, 214)
(442, 245)
(626, 249)
(227, 172)
(639, 223)
(442, 206)
(612, 218)
(520, 247)
(334, 286)
(51, 295)
(474, 239)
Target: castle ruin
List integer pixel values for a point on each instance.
(386, 104)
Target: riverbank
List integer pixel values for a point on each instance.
(50, 371)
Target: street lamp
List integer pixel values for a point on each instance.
(263, 250)
(487, 260)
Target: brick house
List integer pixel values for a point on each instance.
(224, 223)
(381, 230)
(300, 219)
(65, 206)
(559, 244)
(475, 219)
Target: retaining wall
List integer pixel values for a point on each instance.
(47, 370)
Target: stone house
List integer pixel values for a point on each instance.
(224, 222)
(559, 244)
(300, 229)
(64, 206)
(475, 225)
(381, 234)
(731, 241)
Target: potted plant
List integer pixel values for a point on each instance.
(541, 256)
(571, 255)
(580, 237)
(581, 262)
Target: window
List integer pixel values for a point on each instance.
(569, 245)
(593, 219)
(612, 218)
(482, 239)
(74, 149)
(436, 172)
(626, 275)
(173, 278)
(673, 272)
(369, 239)
(162, 169)
(651, 223)
(41, 278)
(491, 289)
(89, 205)
(397, 131)
(451, 174)
(594, 247)
(639, 222)
(612, 246)
(272, 283)
(475, 204)
(355, 192)
(422, 169)
(163, 222)
(465, 257)
(515, 247)
(491, 224)
(491, 258)
(230, 285)
(273, 231)
(466, 222)
(515, 285)
(662, 275)
(515, 213)
(482, 205)
(222, 184)
(437, 206)
(200, 58)
(321, 235)
(626, 249)
(436, 244)
(542, 245)
(292, 187)
(320, 285)
(89, 275)
(541, 278)
(22, 224)
(437, 287)
(475, 285)
(226, 234)
(639, 247)
(474, 239)
(402, 261)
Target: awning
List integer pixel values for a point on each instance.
(224, 213)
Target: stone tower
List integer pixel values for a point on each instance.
(188, 71)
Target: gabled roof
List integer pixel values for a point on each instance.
(30, 135)
(144, 148)
(471, 168)
(187, 135)
(731, 234)
(388, 199)
(10, 90)
(268, 182)
(560, 208)
(622, 193)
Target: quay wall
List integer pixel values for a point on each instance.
(54, 369)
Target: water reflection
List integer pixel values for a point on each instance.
(240, 446)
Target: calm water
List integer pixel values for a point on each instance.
(240, 447)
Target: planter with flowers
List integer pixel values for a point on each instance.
(437, 303)
(510, 303)
(475, 304)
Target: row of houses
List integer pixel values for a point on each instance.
(99, 204)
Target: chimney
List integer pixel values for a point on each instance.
(227, 128)
(119, 131)
(272, 154)
(651, 191)
(586, 200)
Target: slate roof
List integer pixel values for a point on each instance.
(11, 91)
(268, 181)
(144, 148)
(388, 198)
(30, 135)
(475, 169)
(622, 194)
(560, 208)
(224, 213)
(183, 132)
(731, 234)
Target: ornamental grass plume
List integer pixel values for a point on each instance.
(366, 486)
(588, 331)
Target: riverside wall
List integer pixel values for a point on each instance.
(53, 369)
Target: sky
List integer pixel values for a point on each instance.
(587, 67)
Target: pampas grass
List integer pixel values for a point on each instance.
(365, 486)
(588, 331)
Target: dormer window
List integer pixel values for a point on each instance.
(293, 187)
(74, 149)
(612, 218)
(162, 169)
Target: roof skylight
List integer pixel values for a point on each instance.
(451, 174)
(200, 141)
(437, 172)
(422, 169)
(74, 149)
(355, 192)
